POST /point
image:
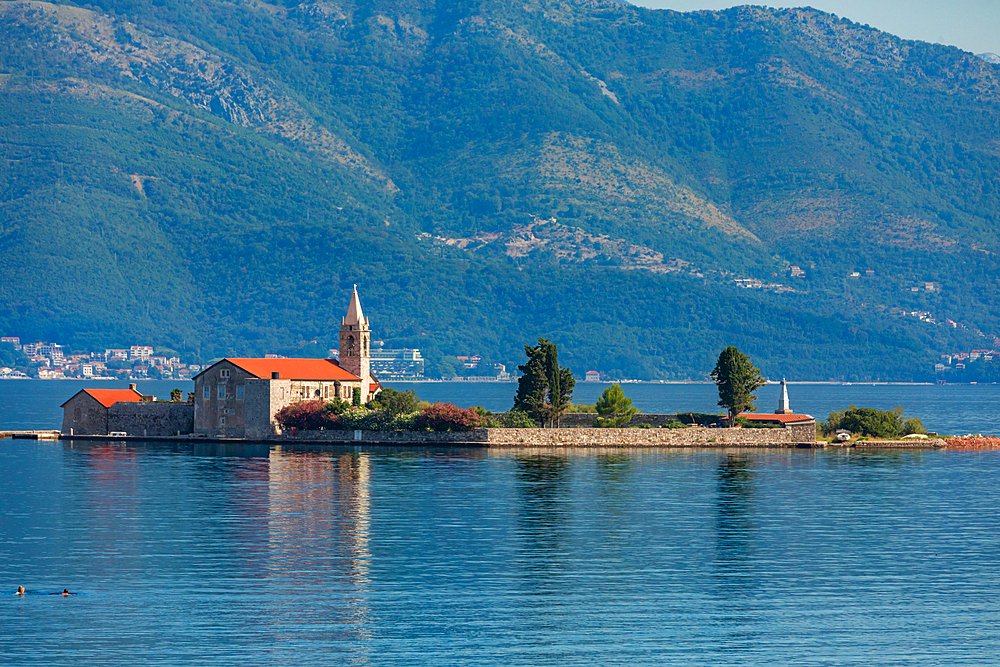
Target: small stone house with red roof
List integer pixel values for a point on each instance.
(238, 398)
(86, 413)
(106, 411)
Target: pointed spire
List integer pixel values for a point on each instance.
(354, 314)
(783, 408)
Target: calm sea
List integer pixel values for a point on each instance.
(947, 409)
(208, 555)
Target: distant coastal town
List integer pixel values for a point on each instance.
(51, 361)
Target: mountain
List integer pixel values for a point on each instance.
(989, 57)
(212, 177)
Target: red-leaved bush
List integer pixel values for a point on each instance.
(306, 416)
(447, 417)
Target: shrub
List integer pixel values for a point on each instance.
(699, 418)
(395, 402)
(868, 421)
(516, 419)
(914, 425)
(306, 416)
(672, 423)
(363, 419)
(447, 417)
(486, 418)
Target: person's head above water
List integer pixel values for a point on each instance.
(20, 590)
(65, 591)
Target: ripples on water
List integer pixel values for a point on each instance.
(476, 557)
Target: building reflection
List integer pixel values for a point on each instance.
(319, 519)
(111, 499)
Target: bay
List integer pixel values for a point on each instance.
(946, 409)
(188, 554)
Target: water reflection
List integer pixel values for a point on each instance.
(734, 511)
(543, 487)
(615, 476)
(735, 568)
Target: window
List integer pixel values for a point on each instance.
(239, 392)
(222, 421)
(208, 392)
(224, 373)
(222, 391)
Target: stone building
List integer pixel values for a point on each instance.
(106, 411)
(803, 427)
(238, 398)
(86, 413)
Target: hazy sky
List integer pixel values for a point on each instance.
(973, 25)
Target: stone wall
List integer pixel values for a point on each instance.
(644, 437)
(151, 419)
(478, 436)
(574, 437)
(803, 432)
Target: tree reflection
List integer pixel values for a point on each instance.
(543, 490)
(734, 511)
(734, 549)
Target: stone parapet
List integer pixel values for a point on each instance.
(572, 437)
(644, 437)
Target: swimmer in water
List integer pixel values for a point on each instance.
(66, 592)
(20, 590)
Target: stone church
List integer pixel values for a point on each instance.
(238, 398)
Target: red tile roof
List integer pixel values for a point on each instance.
(108, 397)
(294, 369)
(783, 419)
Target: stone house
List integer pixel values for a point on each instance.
(106, 411)
(238, 398)
(86, 413)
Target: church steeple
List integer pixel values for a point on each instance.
(355, 342)
(354, 314)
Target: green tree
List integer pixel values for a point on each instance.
(737, 379)
(615, 408)
(544, 389)
(175, 395)
(395, 402)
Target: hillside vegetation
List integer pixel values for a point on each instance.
(213, 176)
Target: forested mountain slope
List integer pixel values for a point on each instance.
(213, 176)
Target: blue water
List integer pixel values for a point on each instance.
(185, 554)
(946, 409)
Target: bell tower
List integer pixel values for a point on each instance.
(355, 339)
